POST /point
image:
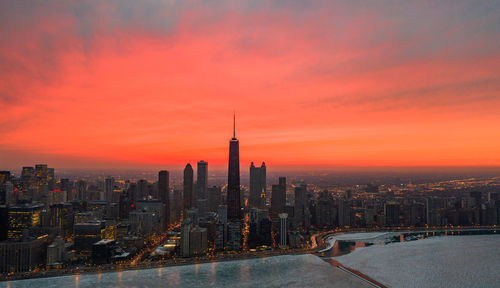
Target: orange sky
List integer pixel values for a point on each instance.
(129, 84)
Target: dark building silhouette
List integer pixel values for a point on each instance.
(188, 188)
(201, 187)
(233, 178)
(257, 197)
(278, 198)
(300, 204)
(163, 191)
(214, 198)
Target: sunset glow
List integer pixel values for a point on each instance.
(324, 84)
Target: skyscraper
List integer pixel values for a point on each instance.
(257, 186)
(109, 186)
(188, 188)
(233, 178)
(202, 179)
(300, 204)
(163, 191)
(278, 198)
(201, 187)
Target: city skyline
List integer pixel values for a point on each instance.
(324, 84)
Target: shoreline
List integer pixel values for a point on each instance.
(166, 264)
(320, 245)
(326, 246)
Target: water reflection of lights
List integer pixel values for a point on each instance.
(244, 272)
(77, 279)
(175, 278)
(212, 272)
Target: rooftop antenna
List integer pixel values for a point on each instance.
(234, 124)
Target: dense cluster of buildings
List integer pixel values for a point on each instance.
(52, 223)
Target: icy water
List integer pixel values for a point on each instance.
(278, 271)
(443, 261)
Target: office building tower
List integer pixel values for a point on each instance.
(23, 256)
(163, 191)
(233, 180)
(202, 180)
(22, 218)
(257, 186)
(86, 234)
(56, 253)
(222, 213)
(61, 216)
(263, 184)
(50, 178)
(28, 180)
(81, 190)
(198, 241)
(392, 214)
(185, 241)
(283, 229)
(234, 236)
(109, 185)
(67, 187)
(176, 206)
(142, 189)
(214, 198)
(344, 212)
(188, 188)
(300, 204)
(278, 198)
(220, 236)
(4, 176)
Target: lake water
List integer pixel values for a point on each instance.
(278, 271)
(444, 261)
(447, 261)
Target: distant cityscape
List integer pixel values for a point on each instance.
(51, 225)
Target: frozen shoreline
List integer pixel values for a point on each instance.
(354, 237)
(441, 261)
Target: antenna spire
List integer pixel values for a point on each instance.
(234, 124)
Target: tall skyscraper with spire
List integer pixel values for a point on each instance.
(233, 178)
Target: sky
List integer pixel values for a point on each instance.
(313, 83)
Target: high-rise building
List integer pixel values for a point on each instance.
(233, 178)
(176, 206)
(185, 229)
(188, 188)
(300, 204)
(41, 178)
(81, 190)
(278, 198)
(214, 198)
(67, 186)
(392, 214)
(29, 182)
(201, 187)
(4, 178)
(202, 180)
(23, 218)
(163, 191)
(257, 186)
(142, 189)
(234, 236)
(283, 229)
(109, 185)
